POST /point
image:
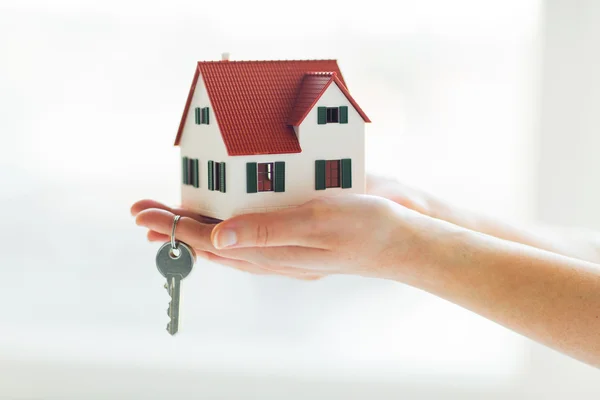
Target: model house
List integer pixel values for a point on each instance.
(257, 136)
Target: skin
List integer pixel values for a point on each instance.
(543, 286)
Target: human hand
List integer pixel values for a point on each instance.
(157, 217)
(407, 196)
(154, 214)
(353, 234)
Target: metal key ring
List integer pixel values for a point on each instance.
(173, 242)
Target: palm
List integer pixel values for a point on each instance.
(376, 186)
(154, 209)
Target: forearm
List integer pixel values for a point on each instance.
(549, 298)
(577, 244)
(581, 244)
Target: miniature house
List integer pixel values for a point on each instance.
(257, 136)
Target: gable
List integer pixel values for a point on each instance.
(313, 87)
(201, 139)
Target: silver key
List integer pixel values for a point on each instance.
(174, 263)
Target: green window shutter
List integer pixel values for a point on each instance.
(251, 178)
(222, 176)
(211, 183)
(320, 174)
(343, 114)
(197, 116)
(205, 115)
(196, 176)
(346, 173)
(184, 171)
(279, 184)
(322, 115)
(190, 169)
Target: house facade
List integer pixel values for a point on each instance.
(258, 136)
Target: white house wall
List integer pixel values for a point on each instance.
(336, 141)
(202, 142)
(318, 142)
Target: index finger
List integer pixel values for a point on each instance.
(146, 204)
(189, 230)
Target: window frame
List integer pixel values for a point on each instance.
(268, 174)
(323, 168)
(190, 172)
(201, 115)
(332, 115)
(333, 174)
(217, 176)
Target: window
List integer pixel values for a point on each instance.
(216, 176)
(265, 177)
(202, 115)
(332, 173)
(332, 115)
(190, 172)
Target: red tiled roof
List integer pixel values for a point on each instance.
(256, 102)
(313, 86)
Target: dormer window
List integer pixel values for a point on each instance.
(202, 115)
(332, 115)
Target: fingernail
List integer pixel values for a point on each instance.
(225, 238)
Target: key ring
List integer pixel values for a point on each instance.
(173, 242)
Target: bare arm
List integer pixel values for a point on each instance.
(547, 297)
(575, 243)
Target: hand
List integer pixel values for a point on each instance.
(151, 213)
(550, 298)
(349, 234)
(407, 196)
(158, 218)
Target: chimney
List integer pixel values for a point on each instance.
(225, 57)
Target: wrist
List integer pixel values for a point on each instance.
(428, 258)
(444, 211)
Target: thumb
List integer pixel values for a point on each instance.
(290, 227)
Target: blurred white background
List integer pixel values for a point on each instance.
(490, 104)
